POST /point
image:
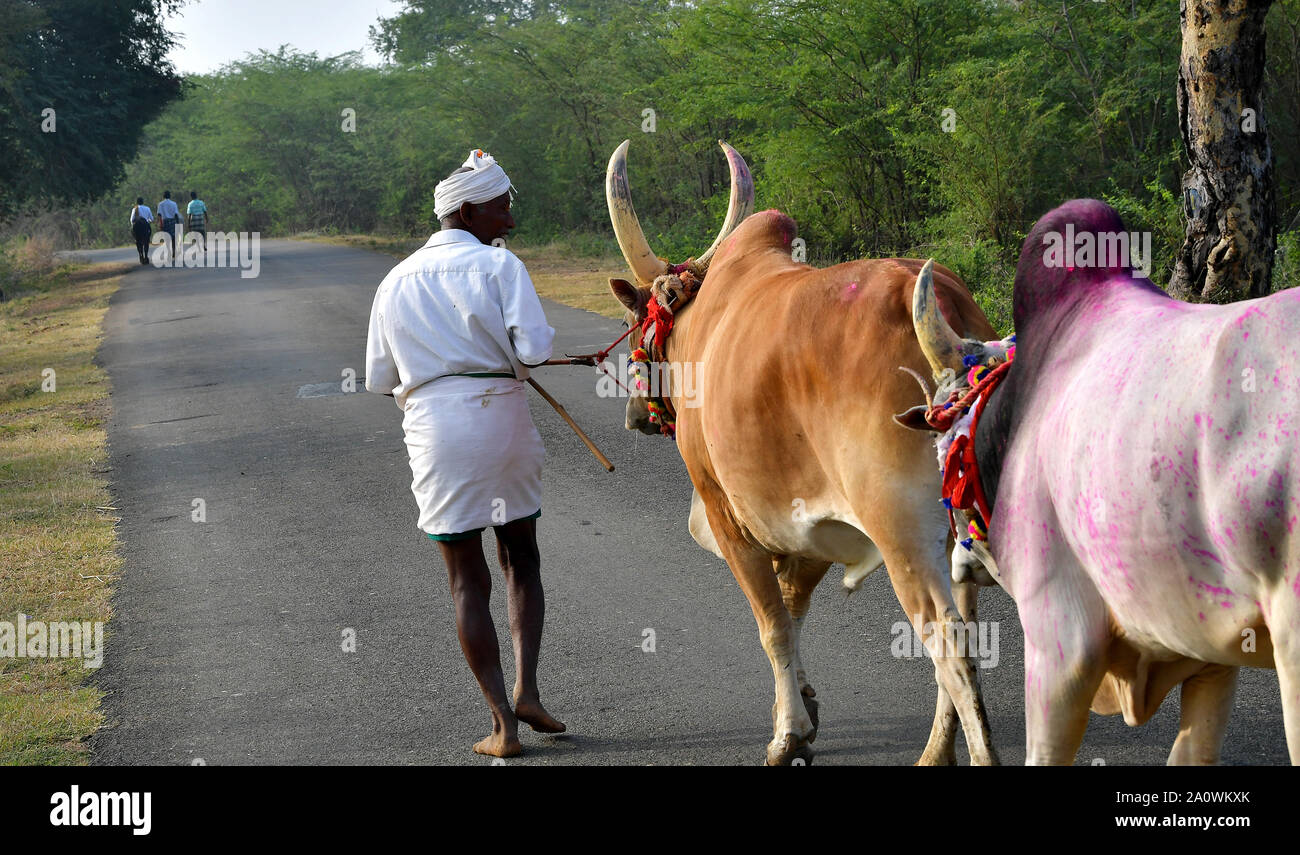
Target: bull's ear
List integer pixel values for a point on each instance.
(914, 419)
(627, 293)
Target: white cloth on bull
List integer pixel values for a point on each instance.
(961, 427)
(476, 457)
(484, 182)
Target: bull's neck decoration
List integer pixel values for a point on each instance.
(957, 418)
(669, 294)
(672, 286)
(966, 384)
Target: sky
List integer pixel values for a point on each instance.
(213, 32)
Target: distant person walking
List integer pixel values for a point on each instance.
(196, 219)
(168, 216)
(141, 218)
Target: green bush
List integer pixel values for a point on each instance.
(1157, 211)
(1286, 264)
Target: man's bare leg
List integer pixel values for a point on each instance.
(517, 552)
(471, 588)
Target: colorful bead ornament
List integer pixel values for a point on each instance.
(977, 374)
(659, 416)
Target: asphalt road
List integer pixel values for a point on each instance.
(227, 644)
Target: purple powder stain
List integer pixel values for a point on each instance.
(1204, 553)
(1218, 592)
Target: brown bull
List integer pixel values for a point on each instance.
(790, 441)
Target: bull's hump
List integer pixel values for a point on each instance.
(764, 229)
(1047, 284)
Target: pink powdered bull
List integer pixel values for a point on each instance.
(1141, 461)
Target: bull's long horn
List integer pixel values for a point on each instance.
(941, 346)
(627, 228)
(741, 204)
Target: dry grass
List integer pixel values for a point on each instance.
(35, 255)
(574, 280)
(398, 247)
(558, 273)
(57, 545)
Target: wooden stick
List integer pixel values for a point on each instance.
(564, 414)
(572, 360)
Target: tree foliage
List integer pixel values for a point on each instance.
(78, 84)
(925, 127)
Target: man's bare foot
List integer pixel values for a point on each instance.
(532, 714)
(499, 745)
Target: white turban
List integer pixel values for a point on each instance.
(484, 182)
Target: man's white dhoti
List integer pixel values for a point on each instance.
(476, 457)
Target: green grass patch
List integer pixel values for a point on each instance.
(58, 544)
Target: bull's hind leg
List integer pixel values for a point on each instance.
(1206, 704)
(919, 573)
(798, 578)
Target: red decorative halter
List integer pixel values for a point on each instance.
(961, 488)
(668, 294)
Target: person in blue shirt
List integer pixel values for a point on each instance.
(196, 219)
(168, 216)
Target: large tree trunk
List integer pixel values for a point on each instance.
(1228, 192)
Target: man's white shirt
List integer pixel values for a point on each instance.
(454, 306)
(144, 214)
(168, 211)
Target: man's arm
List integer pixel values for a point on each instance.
(525, 321)
(382, 375)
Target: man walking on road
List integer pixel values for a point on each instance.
(168, 216)
(196, 220)
(453, 331)
(141, 218)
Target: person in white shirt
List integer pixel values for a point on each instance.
(141, 218)
(453, 330)
(168, 216)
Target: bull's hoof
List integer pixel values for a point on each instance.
(781, 751)
(789, 750)
(947, 758)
